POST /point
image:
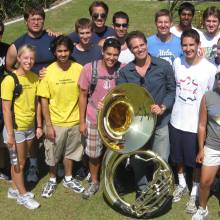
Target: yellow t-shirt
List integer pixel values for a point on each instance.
(24, 105)
(61, 88)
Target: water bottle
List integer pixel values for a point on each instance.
(14, 158)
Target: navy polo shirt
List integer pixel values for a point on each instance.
(159, 80)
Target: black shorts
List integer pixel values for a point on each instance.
(183, 147)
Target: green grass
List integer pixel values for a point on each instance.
(65, 204)
(141, 15)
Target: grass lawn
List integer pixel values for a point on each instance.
(65, 204)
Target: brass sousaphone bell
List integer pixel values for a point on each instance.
(125, 124)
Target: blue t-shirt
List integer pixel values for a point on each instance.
(83, 57)
(165, 50)
(42, 46)
(96, 37)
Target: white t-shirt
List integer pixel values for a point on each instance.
(209, 45)
(178, 33)
(126, 56)
(192, 81)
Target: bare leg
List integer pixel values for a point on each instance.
(208, 174)
(68, 166)
(18, 176)
(94, 167)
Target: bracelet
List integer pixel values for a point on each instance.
(39, 127)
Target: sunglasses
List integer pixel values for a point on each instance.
(124, 25)
(110, 41)
(97, 15)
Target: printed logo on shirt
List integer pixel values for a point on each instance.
(106, 85)
(65, 81)
(166, 55)
(187, 90)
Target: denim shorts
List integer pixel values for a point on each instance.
(20, 136)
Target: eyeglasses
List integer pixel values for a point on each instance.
(97, 15)
(36, 20)
(124, 25)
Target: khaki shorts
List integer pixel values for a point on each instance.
(67, 144)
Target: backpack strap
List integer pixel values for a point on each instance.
(94, 78)
(16, 93)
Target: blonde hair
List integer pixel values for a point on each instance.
(23, 49)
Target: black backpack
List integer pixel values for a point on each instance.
(16, 93)
(95, 76)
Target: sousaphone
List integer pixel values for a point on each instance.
(125, 124)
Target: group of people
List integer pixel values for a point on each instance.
(55, 85)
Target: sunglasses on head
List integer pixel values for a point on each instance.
(97, 15)
(124, 25)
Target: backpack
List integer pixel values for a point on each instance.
(95, 76)
(16, 93)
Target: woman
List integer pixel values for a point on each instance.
(19, 130)
(209, 145)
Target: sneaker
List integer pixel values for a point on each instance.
(200, 214)
(32, 174)
(49, 189)
(74, 185)
(191, 205)
(3, 177)
(14, 193)
(28, 202)
(91, 190)
(179, 192)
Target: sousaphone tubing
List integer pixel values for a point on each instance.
(125, 125)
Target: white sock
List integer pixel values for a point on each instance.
(53, 179)
(33, 162)
(68, 178)
(182, 180)
(195, 189)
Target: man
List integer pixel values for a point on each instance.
(59, 94)
(3, 150)
(120, 23)
(84, 51)
(164, 44)
(209, 38)
(90, 96)
(156, 75)
(186, 13)
(98, 11)
(194, 76)
(39, 38)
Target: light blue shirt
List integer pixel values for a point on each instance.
(165, 50)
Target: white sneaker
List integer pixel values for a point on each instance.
(200, 214)
(179, 192)
(3, 177)
(191, 205)
(32, 174)
(28, 202)
(49, 189)
(14, 193)
(74, 185)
